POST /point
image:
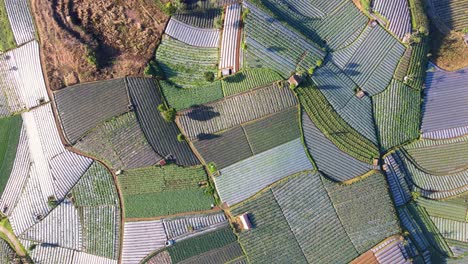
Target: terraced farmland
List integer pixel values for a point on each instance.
(120, 142)
(184, 98)
(78, 105)
(444, 114)
(10, 130)
(185, 65)
(451, 12)
(397, 114)
(248, 79)
(313, 219)
(161, 135)
(198, 37)
(243, 179)
(232, 111)
(199, 18)
(398, 14)
(365, 209)
(333, 126)
(156, 191)
(440, 157)
(8, 40)
(269, 222)
(326, 155)
(271, 39)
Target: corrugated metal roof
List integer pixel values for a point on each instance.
(243, 179)
(21, 20)
(200, 37)
(140, 239)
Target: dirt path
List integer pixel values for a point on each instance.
(18, 248)
(214, 210)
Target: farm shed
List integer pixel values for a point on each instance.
(21, 77)
(21, 20)
(244, 179)
(140, 239)
(231, 37)
(200, 37)
(245, 221)
(82, 107)
(445, 111)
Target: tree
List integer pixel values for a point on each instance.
(319, 63)
(218, 23)
(181, 137)
(209, 76)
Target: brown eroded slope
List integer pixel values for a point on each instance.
(88, 40)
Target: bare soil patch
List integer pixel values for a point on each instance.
(448, 51)
(88, 40)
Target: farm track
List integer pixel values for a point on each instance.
(215, 209)
(13, 240)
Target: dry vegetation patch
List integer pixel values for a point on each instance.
(88, 40)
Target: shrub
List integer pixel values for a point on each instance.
(244, 45)
(218, 23)
(162, 108)
(169, 115)
(311, 70)
(91, 57)
(209, 76)
(245, 13)
(180, 137)
(153, 69)
(292, 86)
(169, 9)
(319, 63)
(212, 167)
(52, 201)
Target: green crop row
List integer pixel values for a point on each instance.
(10, 129)
(7, 40)
(365, 210)
(170, 189)
(197, 245)
(249, 79)
(183, 98)
(416, 74)
(185, 65)
(333, 126)
(96, 187)
(397, 114)
(444, 210)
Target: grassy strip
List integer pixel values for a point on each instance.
(156, 191)
(416, 74)
(181, 98)
(333, 126)
(418, 16)
(249, 79)
(7, 40)
(200, 244)
(10, 129)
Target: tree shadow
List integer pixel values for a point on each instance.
(202, 113)
(237, 78)
(204, 136)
